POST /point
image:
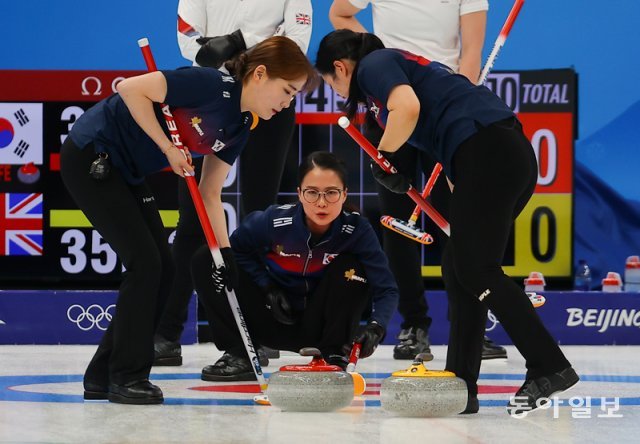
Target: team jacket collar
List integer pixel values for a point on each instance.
(333, 230)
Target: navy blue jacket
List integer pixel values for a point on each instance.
(206, 107)
(273, 247)
(452, 109)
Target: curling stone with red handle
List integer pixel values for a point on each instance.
(315, 387)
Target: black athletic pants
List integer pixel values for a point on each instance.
(261, 165)
(495, 175)
(127, 217)
(329, 321)
(404, 254)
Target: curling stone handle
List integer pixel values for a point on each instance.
(310, 351)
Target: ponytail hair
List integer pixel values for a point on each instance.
(238, 65)
(282, 57)
(349, 45)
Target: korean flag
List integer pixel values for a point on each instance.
(20, 133)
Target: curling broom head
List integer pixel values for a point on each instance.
(403, 228)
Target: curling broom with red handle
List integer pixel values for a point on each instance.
(206, 226)
(388, 168)
(502, 37)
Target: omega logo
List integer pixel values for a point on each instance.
(92, 86)
(94, 81)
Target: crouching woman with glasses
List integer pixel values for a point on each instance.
(303, 276)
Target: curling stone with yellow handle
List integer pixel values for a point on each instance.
(418, 391)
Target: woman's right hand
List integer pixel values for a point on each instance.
(180, 161)
(395, 182)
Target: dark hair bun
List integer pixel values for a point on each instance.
(237, 65)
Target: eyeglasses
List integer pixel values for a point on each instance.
(313, 196)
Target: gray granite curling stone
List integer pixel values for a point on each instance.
(316, 387)
(423, 393)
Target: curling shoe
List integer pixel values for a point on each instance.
(413, 341)
(537, 392)
(166, 353)
(269, 352)
(491, 350)
(472, 405)
(95, 392)
(233, 367)
(139, 392)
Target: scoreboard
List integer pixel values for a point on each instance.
(45, 241)
(546, 104)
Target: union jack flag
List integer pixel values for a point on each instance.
(20, 224)
(303, 19)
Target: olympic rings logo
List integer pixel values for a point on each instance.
(491, 318)
(93, 316)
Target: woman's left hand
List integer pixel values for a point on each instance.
(180, 161)
(278, 304)
(187, 154)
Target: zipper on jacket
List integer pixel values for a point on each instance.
(304, 270)
(306, 263)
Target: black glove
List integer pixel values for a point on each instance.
(370, 337)
(277, 302)
(227, 275)
(395, 182)
(217, 50)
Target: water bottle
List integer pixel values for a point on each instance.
(632, 274)
(534, 283)
(582, 278)
(612, 283)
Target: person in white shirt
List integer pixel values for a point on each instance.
(210, 32)
(256, 20)
(451, 32)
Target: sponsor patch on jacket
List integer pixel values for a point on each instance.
(351, 275)
(195, 123)
(217, 145)
(328, 257)
(280, 252)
